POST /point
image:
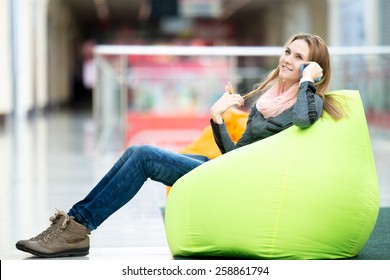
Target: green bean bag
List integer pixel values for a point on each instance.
(301, 194)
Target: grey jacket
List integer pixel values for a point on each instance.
(306, 110)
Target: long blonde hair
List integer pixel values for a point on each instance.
(320, 54)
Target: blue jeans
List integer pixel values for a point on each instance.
(126, 177)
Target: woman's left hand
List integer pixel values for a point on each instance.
(226, 101)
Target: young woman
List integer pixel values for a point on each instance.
(290, 97)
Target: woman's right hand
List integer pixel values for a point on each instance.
(226, 101)
(313, 71)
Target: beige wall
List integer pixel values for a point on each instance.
(43, 65)
(41, 48)
(5, 61)
(60, 52)
(290, 17)
(29, 74)
(23, 54)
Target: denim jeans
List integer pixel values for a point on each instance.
(126, 177)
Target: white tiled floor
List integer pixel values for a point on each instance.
(50, 163)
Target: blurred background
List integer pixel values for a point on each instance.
(82, 79)
(47, 46)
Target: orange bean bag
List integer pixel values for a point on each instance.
(235, 120)
(205, 145)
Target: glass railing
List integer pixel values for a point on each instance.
(162, 94)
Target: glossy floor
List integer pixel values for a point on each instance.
(51, 163)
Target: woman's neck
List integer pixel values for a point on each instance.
(284, 86)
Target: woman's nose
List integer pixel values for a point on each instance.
(287, 59)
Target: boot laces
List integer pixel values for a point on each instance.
(50, 235)
(53, 220)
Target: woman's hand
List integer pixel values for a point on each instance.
(312, 71)
(226, 101)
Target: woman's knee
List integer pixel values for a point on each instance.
(142, 151)
(145, 151)
(128, 152)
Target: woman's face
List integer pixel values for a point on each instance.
(295, 54)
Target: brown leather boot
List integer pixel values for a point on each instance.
(63, 238)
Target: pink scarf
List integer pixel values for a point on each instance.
(272, 104)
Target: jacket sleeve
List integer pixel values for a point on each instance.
(223, 139)
(308, 107)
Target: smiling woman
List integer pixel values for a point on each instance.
(309, 50)
(288, 101)
(290, 63)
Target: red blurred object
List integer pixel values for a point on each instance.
(167, 131)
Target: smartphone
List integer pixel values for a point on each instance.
(303, 67)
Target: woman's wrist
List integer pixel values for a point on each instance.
(216, 116)
(305, 79)
(217, 119)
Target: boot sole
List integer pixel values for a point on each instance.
(70, 253)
